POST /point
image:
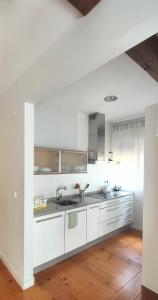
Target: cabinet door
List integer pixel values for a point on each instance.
(73, 162)
(46, 161)
(92, 222)
(75, 237)
(48, 238)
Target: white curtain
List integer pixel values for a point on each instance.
(128, 166)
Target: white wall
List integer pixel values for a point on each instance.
(14, 238)
(150, 218)
(46, 184)
(82, 131)
(57, 126)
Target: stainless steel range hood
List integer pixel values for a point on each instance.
(96, 142)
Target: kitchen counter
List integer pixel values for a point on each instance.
(89, 199)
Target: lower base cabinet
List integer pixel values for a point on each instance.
(48, 238)
(55, 235)
(116, 214)
(111, 225)
(75, 237)
(92, 222)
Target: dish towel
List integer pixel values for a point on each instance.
(73, 220)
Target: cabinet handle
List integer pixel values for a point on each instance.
(129, 210)
(109, 204)
(78, 211)
(129, 204)
(112, 222)
(113, 203)
(129, 216)
(81, 210)
(129, 198)
(93, 207)
(128, 219)
(47, 219)
(111, 209)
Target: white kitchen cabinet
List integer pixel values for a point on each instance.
(75, 237)
(53, 236)
(73, 161)
(128, 219)
(111, 225)
(115, 214)
(110, 212)
(49, 161)
(92, 222)
(48, 238)
(111, 202)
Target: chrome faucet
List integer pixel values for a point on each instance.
(58, 194)
(82, 192)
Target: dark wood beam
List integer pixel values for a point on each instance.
(84, 6)
(146, 55)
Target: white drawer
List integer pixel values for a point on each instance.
(128, 198)
(109, 203)
(127, 208)
(128, 203)
(111, 225)
(110, 212)
(128, 219)
(115, 201)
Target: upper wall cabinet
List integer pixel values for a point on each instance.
(73, 162)
(49, 161)
(46, 161)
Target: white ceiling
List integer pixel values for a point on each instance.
(27, 29)
(122, 77)
(88, 44)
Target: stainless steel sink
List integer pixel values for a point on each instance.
(66, 202)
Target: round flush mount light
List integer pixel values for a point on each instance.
(110, 98)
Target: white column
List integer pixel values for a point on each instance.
(150, 218)
(28, 193)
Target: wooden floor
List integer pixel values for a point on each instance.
(110, 270)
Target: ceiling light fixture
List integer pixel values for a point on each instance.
(110, 98)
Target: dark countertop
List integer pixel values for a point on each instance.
(90, 198)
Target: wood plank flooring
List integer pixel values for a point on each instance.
(108, 271)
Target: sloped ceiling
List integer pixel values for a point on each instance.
(109, 30)
(27, 29)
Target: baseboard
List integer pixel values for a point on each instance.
(148, 292)
(29, 283)
(137, 227)
(23, 284)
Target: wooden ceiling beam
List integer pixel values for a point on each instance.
(84, 6)
(146, 55)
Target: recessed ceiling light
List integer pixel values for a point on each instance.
(110, 98)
